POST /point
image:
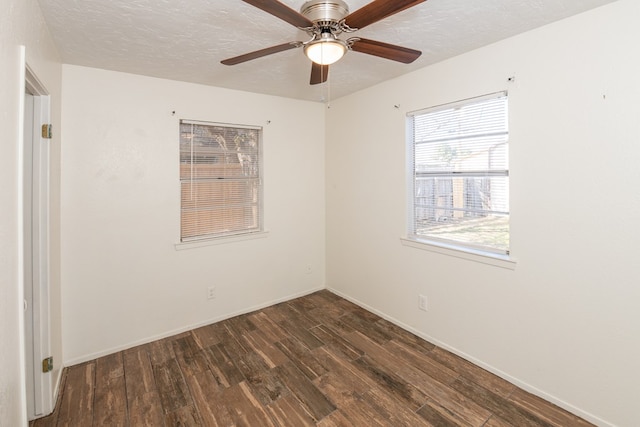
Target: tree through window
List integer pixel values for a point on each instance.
(220, 180)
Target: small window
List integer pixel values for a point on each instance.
(460, 174)
(220, 180)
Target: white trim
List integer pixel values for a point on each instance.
(190, 180)
(180, 246)
(39, 330)
(33, 84)
(521, 384)
(20, 238)
(489, 258)
(57, 383)
(412, 175)
(226, 125)
(515, 381)
(455, 104)
(177, 331)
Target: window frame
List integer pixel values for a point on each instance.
(237, 234)
(472, 251)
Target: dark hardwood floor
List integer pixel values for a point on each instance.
(318, 360)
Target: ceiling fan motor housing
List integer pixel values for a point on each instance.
(325, 12)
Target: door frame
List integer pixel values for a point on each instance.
(36, 228)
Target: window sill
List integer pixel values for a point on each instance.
(497, 260)
(220, 240)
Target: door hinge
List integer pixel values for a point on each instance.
(47, 365)
(46, 131)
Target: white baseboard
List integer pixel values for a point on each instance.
(521, 384)
(92, 356)
(56, 388)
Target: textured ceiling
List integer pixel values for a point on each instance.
(186, 39)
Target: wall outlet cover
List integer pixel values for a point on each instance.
(422, 303)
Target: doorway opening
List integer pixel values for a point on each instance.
(36, 247)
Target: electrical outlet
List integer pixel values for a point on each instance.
(211, 292)
(422, 303)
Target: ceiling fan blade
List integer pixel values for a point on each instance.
(260, 53)
(377, 10)
(319, 73)
(385, 50)
(281, 11)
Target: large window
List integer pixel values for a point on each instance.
(220, 180)
(460, 174)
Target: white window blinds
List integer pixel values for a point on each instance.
(220, 180)
(460, 173)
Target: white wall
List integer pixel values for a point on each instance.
(21, 23)
(565, 323)
(124, 282)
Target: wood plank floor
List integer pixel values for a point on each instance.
(318, 360)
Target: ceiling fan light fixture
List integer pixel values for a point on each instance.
(326, 50)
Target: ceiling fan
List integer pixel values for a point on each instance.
(324, 21)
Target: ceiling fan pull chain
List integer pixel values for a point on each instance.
(328, 93)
